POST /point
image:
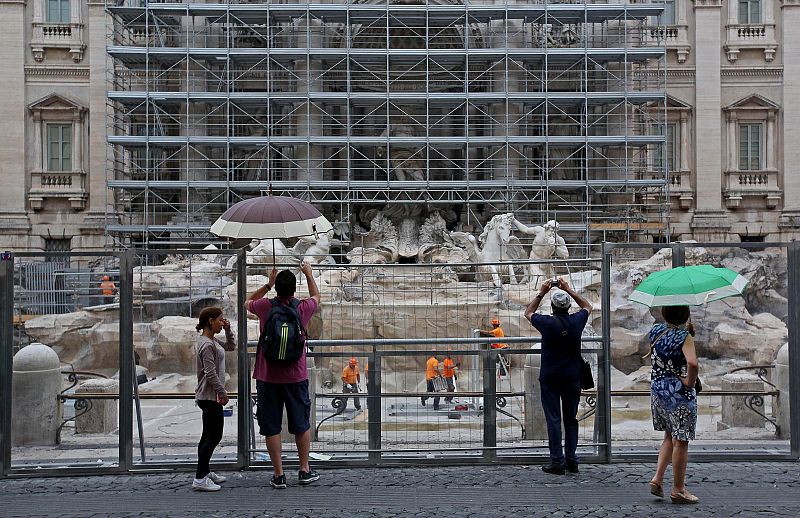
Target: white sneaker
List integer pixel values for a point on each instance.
(217, 479)
(205, 484)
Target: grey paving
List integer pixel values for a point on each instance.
(742, 489)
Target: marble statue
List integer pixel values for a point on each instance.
(405, 162)
(496, 243)
(547, 244)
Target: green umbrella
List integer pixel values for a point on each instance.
(688, 286)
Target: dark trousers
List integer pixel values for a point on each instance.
(451, 387)
(213, 421)
(431, 389)
(557, 397)
(347, 390)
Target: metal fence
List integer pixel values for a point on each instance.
(391, 318)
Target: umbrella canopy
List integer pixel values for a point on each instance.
(276, 217)
(688, 286)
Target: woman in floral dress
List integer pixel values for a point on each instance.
(673, 398)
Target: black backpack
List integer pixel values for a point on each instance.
(283, 337)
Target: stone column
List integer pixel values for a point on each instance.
(790, 217)
(684, 156)
(77, 142)
(94, 164)
(38, 149)
(309, 123)
(535, 424)
(769, 148)
(731, 121)
(734, 411)
(710, 222)
(35, 389)
(13, 114)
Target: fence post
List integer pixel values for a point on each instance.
(6, 358)
(374, 405)
(793, 264)
(678, 255)
(126, 368)
(244, 401)
(603, 414)
(489, 402)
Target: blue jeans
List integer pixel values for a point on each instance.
(557, 397)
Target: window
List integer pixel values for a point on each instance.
(750, 147)
(749, 11)
(666, 156)
(59, 147)
(58, 245)
(58, 11)
(668, 16)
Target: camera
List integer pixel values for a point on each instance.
(555, 282)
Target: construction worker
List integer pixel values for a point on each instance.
(108, 289)
(449, 373)
(498, 332)
(351, 377)
(431, 373)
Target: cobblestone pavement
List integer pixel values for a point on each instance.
(741, 489)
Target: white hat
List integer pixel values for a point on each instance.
(561, 300)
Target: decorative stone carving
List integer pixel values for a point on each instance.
(406, 165)
(436, 243)
(379, 245)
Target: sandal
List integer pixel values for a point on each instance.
(656, 489)
(683, 497)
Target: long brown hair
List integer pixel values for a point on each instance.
(207, 315)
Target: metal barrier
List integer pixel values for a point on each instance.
(494, 424)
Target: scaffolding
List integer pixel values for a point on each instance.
(548, 110)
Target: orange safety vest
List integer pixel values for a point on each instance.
(498, 333)
(449, 370)
(107, 287)
(431, 368)
(350, 375)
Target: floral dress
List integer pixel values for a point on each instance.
(674, 405)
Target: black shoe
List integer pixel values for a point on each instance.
(278, 482)
(358, 409)
(307, 477)
(553, 469)
(436, 407)
(423, 401)
(572, 467)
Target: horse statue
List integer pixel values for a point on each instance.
(495, 244)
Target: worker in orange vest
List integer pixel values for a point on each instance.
(431, 372)
(351, 377)
(108, 289)
(498, 332)
(449, 373)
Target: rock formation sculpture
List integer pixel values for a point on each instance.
(379, 245)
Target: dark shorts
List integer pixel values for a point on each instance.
(273, 398)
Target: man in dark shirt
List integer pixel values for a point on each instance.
(559, 376)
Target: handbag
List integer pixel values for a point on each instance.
(698, 387)
(587, 382)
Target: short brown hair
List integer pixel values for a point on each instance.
(206, 315)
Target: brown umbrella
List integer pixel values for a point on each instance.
(271, 217)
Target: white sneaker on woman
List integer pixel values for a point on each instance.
(217, 479)
(205, 484)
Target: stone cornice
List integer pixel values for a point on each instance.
(23, 2)
(707, 4)
(751, 71)
(57, 71)
(786, 4)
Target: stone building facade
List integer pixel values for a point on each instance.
(730, 91)
(732, 76)
(52, 119)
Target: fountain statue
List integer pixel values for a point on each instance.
(496, 243)
(547, 244)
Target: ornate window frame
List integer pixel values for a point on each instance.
(763, 183)
(55, 109)
(751, 35)
(47, 35)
